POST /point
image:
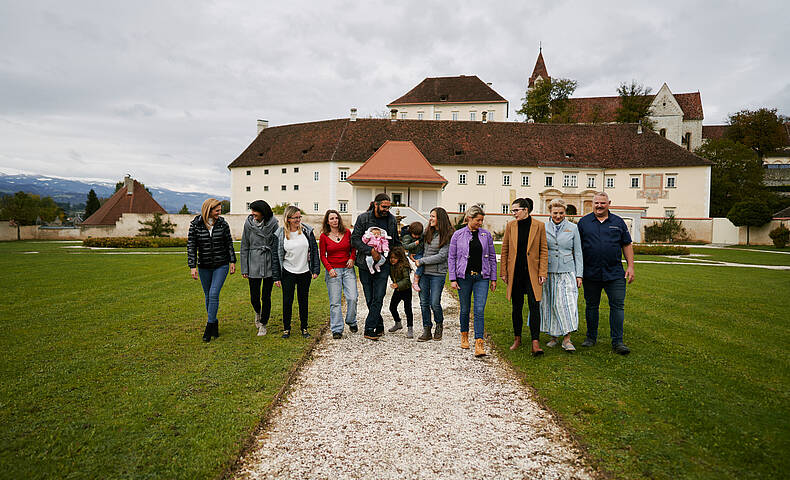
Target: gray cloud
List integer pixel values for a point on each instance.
(170, 91)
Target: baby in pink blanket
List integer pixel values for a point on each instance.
(377, 239)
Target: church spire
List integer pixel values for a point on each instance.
(539, 72)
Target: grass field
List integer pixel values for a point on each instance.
(105, 374)
(706, 391)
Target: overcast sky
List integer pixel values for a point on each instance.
(170, 91)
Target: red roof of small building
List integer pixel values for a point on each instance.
(713, 132)
(140, 201)
(539, 71)
(468, 143)
(461, 89)
(604, 109)
(397, 161)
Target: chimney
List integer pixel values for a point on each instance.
(639, 128)
(484, 115)
(262, 124)
(394, 114)
(128, 183)
(353, 117)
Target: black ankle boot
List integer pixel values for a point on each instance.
(207, 333)
(215, 329)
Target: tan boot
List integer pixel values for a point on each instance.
(480, 350)
(464, 339)
(516, 343)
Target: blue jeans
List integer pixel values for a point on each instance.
(344, 283)
(477, 285)
(615, 292)
(212, 279)
(421, 268)
(375, 287)
(431, 287)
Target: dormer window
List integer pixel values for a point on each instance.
(568, 155)
(442, 98)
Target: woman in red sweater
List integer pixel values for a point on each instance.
(338, 257)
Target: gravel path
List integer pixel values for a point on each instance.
(400, 409)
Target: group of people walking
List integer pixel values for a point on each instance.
(545, 262)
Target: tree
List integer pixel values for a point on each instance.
(736, 174)
(156, 227)
(749, 213)
(635, 101)
(184, 210)
(25, 208)
(547, 101)
(92, 204)
(225, 206)
(761, 130)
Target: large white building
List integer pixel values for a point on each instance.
(313, 165)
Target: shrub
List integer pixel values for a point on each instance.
(660, 250)
(667, 230)
(134, 242)
(279, 209)
(780, 235)
(750, 213)
(156, 227)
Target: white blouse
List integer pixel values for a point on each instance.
(296, 250)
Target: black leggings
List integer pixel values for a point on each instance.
(517, 297)
(261, 300)
(300, 282)
(405, 297)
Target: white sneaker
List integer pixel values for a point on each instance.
(262, 330)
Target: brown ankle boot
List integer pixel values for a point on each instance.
(480, 350)
(464, 339)
(516, 342)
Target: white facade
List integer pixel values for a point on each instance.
(667, 117)
(681, 191)
(496, 112)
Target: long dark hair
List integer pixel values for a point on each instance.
(325, 228)
(263, 208)
(443, 226)
(399, 254)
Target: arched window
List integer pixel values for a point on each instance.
(663, 132)
(570, 210)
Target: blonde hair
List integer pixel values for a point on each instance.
(474, 211)
(209, 205)
(558, 202)
(289, 211)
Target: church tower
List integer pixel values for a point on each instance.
(539, 73)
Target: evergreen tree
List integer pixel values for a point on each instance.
(156, 227)
(184, 210)
(92, 204)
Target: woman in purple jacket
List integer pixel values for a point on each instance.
(472, 266)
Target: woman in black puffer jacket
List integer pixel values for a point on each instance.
(210, 256)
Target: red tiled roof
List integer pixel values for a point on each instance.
(713, 132)
(461, 89)
(397, 161)
(140, 201)
(604, 109)
(539, 71)
(469, 143)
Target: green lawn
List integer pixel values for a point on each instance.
(105, 374)
(705, 392)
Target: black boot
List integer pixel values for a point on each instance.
(207, 333)
(215, 329)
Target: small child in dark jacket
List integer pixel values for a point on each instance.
(412, 242)
(400, 273)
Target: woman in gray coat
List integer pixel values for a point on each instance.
(437, 245)
(260, 262)
(559, 313)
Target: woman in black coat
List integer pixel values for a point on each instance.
(210, 256)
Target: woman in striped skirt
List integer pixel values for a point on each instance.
(559, 311)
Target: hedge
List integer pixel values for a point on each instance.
(660, 250)
(134, 242)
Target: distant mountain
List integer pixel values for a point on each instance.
(75, 191)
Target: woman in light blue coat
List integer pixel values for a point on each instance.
(559, 310)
